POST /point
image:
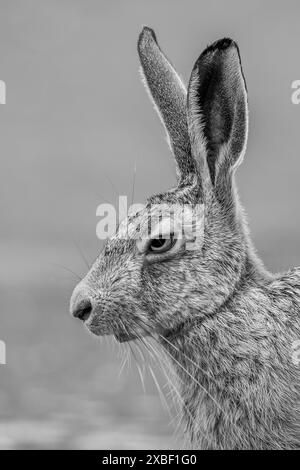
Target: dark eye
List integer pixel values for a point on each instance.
(160, 244)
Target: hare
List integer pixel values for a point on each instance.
(228, 326)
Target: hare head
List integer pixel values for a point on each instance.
(155, 281)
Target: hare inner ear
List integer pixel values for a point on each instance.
(168, 94)
(218, 103)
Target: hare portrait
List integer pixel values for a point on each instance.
(227, 325)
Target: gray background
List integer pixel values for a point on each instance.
(76, 117)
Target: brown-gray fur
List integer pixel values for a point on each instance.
(226, 323)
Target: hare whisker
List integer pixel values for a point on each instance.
(67, 269)
(81, 254)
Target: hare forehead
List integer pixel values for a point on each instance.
(159, 219)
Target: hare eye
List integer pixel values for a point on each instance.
(160, 245)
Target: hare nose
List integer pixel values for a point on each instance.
(82, 309)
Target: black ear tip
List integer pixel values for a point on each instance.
(147, 34)
(220, 45)
(225, 43)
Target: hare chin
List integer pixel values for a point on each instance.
(124, 338)
(121, 337)
(96, 330)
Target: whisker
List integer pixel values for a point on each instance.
(67, 269)
(141, 371)
(133, 353)
(145, 344)
(111, 184)
(123, 364)
(81, 254)
(161, 394)
(139, 350)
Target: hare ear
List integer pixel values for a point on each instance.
(218, 109)
(168, 94)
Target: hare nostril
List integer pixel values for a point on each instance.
(83, 309)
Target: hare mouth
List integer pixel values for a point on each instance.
(124, 337)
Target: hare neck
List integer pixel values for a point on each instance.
(211, 379)
(254, 267)
(202, 383)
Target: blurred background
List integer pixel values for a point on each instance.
(76, 121)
